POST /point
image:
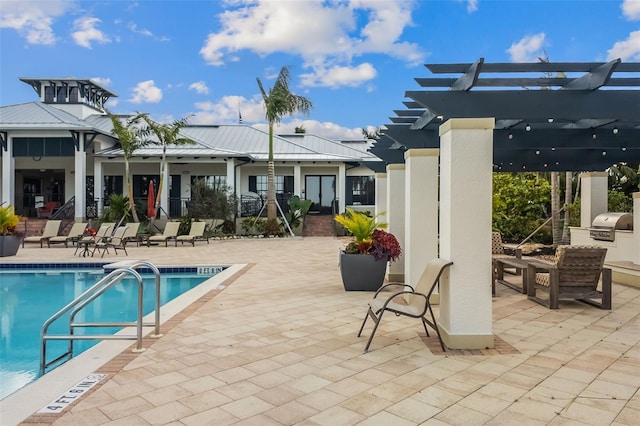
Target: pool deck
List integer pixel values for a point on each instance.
(277, 346)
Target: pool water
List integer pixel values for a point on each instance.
(29, 298)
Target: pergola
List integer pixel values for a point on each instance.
(441, 151)
(562, 116)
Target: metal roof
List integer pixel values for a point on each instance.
(549, 116)
(40, 116)
(88, 83)
(232, 141)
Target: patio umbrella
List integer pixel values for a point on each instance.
(151, 201)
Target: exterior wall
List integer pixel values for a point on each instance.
(594, 196)
(621, 249)
(67, 167)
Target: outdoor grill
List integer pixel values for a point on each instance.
(605, 225)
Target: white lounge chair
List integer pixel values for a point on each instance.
(76, 232)
(170, 233)
(196, 233)
(50, 230)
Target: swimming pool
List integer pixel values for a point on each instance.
(29, 297)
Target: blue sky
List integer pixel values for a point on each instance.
(353, 59)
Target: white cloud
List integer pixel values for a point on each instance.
(146, 92)
(33, 20)
(631, 9)
(337, 76)
(527, 49)
(85, 32)
(228, 108)
(472, 5)
(200, 87)
(324, 35)
(627, 50)
(102, 81)
(134, 28)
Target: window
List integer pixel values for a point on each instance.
(112, 185)
(258, 184)
(361, 190)
(216, 181)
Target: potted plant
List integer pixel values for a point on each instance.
(9, 236)
(363, 262)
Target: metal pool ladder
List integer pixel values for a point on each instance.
(80, 302)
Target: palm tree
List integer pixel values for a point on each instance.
(279, 101)
(130, 137)
(559, 234)
(166, 134)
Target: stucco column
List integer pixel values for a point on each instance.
(465, 232)
(164, 197)
(341, 185)
(8, 173)
(395, 215)
(636, 229)
(297, 180)
(421, 213)
(80, 179)
(98, 181)
(594, 196)
(381, 196)
(231, 169)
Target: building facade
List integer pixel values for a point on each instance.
(61, 149)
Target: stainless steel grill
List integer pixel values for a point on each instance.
(605, 225)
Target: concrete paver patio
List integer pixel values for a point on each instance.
(278, 346)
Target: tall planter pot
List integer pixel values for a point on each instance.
(361, 272)
(9, 245)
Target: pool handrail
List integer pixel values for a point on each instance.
(113, 278)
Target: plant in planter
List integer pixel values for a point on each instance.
(9, 236)
(363, 262)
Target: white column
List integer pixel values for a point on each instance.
(80, 179)
(342, 187)
(231, 169)
(421, 212)
(395, 215)
(98, 180)
(164, 197)
(465, 232)
(636, 230)
(8, 174)
(381, 196)
(297, 180)
(594, 196)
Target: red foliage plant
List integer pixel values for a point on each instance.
(385, 245)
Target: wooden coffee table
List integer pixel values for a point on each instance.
(522, 264)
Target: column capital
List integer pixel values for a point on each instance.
(421, 152)
(594, 174)
(467, 124)
(395, 167)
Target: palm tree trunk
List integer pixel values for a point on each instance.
(132, 203)
(271, 185)
(568, 192)
(555, 208)
(158, 200)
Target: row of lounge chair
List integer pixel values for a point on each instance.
(106, 236)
